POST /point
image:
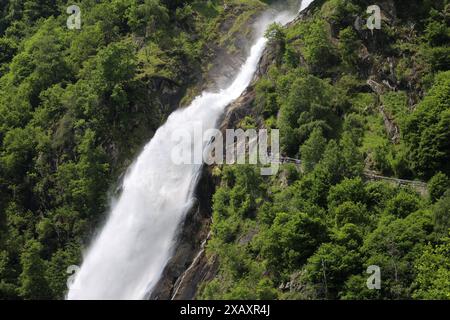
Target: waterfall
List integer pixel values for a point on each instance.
(128, 256)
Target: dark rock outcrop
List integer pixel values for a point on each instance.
(189, 265)
(193, 233)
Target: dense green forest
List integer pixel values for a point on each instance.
(312, 233)
(76, 106)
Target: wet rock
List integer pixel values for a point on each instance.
(193, 232)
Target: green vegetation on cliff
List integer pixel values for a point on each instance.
(75, 108)
(346, 101)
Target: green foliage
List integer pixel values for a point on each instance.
(312, 235)
(77, 105)
(277, 38)
(437, 33)
(33, 283)
(75, 108)
(426, 132)
(396, 104)
(347, 190)
(403, 204)
(7, 50)
(441, 216)
(290, 240)
(433, 272)
(438, 185)
(310, 104)
(312, 150)
(266, 98)
(329, 268)
(349, 212)
(340, 12)
(318, 51)
(393, 246)
(146, 18)
(349, 46)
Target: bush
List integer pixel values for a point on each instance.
(433, 272)
(291, 239)
(349, 47)
(403, 204)
(312, 150)
(350, 212)
(441, 216)
(319, 52)
(438, 185)
(426, 130)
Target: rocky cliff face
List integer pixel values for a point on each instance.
(190, 267)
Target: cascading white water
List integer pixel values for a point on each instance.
(128, 257)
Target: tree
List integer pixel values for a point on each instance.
(436, 32)
(441, 215)
(349, 46)
(7, 290)
(38, 9)
(433, 272)
(329, 268)
(56, 271)
(394, 246)
(291, 239)
(353, 162)
(403, 204)
(310, 104)
(355, 288)
(438, 185)
(33, 283)
(426, 132)
(347, 190)
(266, 98)
(349, 212)
(319, 52)
(312, 150)
(115, 65)
(146, 18)
(7, 50)
(277, 37)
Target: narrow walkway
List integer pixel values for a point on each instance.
(420, 186)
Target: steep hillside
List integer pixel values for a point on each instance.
(76, 106)
(349, 103)
(367, 112)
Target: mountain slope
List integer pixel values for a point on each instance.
(78, 105)
(347, 101)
